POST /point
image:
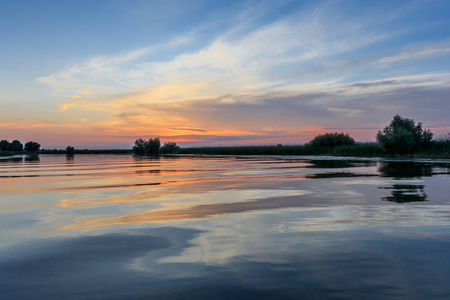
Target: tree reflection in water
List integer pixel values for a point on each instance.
(405, 193)
(338, 164)
(405, 169)
(32, 158)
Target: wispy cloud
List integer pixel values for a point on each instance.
(23, 124)
(83, 92)
(425, 52)
(75, 103)
(187, 129)
(107, 73)
(236, 60)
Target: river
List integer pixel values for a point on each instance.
(117, 226)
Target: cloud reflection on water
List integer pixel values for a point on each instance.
(198, 211)
(236, 257)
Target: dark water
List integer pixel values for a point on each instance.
(116, 227)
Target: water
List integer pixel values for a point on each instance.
(115, 227)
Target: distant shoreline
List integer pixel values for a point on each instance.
(87, 151)
(438, 150)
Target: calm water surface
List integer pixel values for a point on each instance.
(116, 227)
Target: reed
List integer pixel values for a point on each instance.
(6, 153)
(436, 149)
(86, 151)
(359, 149)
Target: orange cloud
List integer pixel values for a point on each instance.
(23, 124)
(75, 103)
(83, 92)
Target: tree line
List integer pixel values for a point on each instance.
(153, 146)
(17, 146)
(402, 136)
(30, 147)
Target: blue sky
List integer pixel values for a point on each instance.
(99, 74)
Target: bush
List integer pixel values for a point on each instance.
(403, 136)
(331, 140)
(32, 147)
(150, 147)
(169, 148)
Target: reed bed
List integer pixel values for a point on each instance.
(437, 149)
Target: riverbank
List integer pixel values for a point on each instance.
(438, 149)
(87, 151)
(6, 153)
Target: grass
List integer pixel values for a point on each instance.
(359, 149)
(87, 151)
(6, 153)
(437, 149)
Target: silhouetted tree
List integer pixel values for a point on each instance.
(4, 145)
(332, 140)
(169, 148)
(139, 146)
(32, 146)
(15, 146)
(70, 150)
(150, 147)
(403, 136)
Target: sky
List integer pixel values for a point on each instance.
(100, 74)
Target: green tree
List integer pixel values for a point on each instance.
(32, 146)
(403, 136)
(169, 148)
(150, 147)
(15, 146)
(139, 147)
(4, 145)
(70, 150)
(331, 140)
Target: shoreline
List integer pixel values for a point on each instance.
(436, 150)
(279, 157)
